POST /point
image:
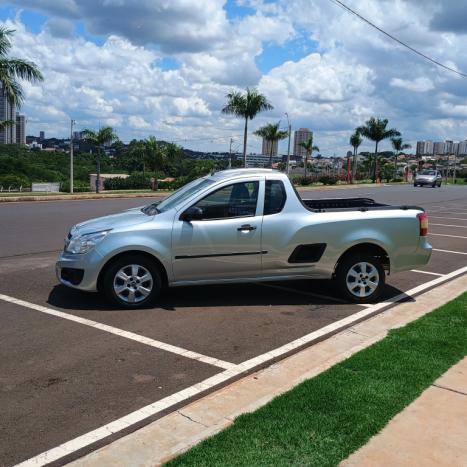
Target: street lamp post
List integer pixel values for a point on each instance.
(287, 169)
(71, 155)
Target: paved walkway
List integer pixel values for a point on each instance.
(432, 431)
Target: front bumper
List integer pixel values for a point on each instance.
(79, 271)
(425, 182)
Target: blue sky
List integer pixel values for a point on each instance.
(161, 68)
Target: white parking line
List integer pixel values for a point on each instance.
(450, 251)
(427, 272)
(451, 225)
(448, 212)
(87, 439)
(121, 333)
(446, 235)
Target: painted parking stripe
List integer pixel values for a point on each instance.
(450, 251)
(103, 432)
(451, 225)
(427, 272)
(446, 235)
(450, 212)
(121, 333)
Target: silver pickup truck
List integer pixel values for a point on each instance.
(241, 226)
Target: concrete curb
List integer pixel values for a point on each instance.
(175, 433)
(16, 199)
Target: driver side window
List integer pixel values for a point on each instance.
(236, 200)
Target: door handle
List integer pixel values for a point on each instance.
(246, 227)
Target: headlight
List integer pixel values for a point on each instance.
(83, 243)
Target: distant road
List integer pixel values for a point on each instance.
(35, 227)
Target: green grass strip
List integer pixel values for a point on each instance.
(323, 420)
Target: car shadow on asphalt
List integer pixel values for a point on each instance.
(290, 293)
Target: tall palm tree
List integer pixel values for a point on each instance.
(14, 69)
(271, 134)
(375, 129)
(309, 148)
(246, 106)
(98, 138)
(398, 145)
(355, 141)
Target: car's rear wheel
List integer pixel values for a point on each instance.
(132, 281)
(415, 184)
(361, 278)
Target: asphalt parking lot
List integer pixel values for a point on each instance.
(75, 374)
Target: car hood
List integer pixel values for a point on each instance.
(113, 221)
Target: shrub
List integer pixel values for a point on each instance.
(303, 181)
(135, 181)
(78, 187)
(328, 180)
(397, 180)
(14, 181)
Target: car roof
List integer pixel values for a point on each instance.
(233, 173)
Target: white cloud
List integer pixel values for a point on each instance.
(420, 84)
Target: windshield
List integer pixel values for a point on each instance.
(428, 172)
(179, 196)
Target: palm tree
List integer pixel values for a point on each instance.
(309, 148)
(398, 145)
(375, 129)
(271, 134)
(98, 139)
(355, 141)
(14, 69)
(246, 106)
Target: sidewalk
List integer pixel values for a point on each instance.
(432, 431)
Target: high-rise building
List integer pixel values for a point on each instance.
(300, 136)
(438, 148)
(267, 146)
(7, 112)
(448, 147)
(420, 148)
(41, 135)
(429, 147)
(462, 148)
(20, 129)
(455, 148)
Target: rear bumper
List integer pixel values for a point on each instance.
(420, 257)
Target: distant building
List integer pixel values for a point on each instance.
(429, 147)
(20, 129)
(462, 148)
(261, 160)
(42, 135)
(7, 112)
(448, 147)
(300, 136)
(420, 148)
(78, 135)
(266, 149)
(439, 148)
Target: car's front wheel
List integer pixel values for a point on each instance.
(132, 281)
(361, 278)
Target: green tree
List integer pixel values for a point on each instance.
(271, 134)
(246, 106)
(98, 139)
(398, 145)
(309, 148)
(14, 69)
(355, 141)
(375, 129)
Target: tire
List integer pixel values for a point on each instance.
(360, 267)
(132, 281)
(434, 185)
(439, 185)
(415, 184)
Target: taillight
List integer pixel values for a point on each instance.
(423, 219)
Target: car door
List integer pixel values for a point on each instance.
(225, 243)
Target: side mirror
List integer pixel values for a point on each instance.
(193, 213)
